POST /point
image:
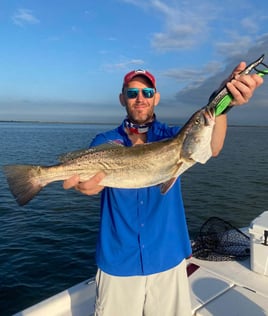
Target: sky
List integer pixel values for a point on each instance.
(65, 60)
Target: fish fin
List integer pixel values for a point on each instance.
(74, 154)
(22, 184)
(166, 186)
(81, 152)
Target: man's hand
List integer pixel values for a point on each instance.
(242, 87)
(89, 187)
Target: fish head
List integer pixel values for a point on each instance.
(198, 132)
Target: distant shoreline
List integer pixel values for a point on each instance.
(57, 122)
(110, 123)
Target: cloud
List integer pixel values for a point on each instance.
(175, 38)
(234, 46)
(190, 74)
(250, 25)
(197, 92)
(138, 3)
(185, 26)
(189, 25)
(24, 16)
(123, 65)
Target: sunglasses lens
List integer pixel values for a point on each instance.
(132, 93)
(148, 92)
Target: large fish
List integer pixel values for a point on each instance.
(132, 167)
(125, 167)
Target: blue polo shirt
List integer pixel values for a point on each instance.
(141, 230)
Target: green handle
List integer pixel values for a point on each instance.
(226, 100)
(223, 104)
(263, 72)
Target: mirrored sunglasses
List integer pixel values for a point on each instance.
(132, 93)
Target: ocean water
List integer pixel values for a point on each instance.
(49, 244)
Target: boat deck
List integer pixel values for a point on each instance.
(227, 288)
(217, 289)
(78, 300)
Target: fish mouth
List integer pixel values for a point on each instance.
(210, 116)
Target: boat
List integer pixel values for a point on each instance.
(78, 300)
(217, 288)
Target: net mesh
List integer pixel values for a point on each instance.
(218, 240)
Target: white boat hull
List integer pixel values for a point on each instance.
(78, 300)
(218, 288)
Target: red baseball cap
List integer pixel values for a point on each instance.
(139, 72)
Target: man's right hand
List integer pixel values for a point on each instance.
(89, 187)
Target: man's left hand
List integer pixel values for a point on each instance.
(242, 86)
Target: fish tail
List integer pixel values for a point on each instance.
(23, 182)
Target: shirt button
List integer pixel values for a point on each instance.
(142, 225)
(141, 202)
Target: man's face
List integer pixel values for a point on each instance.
(140, 110)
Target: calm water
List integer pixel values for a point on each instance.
(49, 244)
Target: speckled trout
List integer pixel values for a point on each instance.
(138, 166)
(159, 163)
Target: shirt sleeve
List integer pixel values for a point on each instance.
(98, 140)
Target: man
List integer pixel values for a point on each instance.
(143, 238)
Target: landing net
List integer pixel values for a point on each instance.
(218, 240)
